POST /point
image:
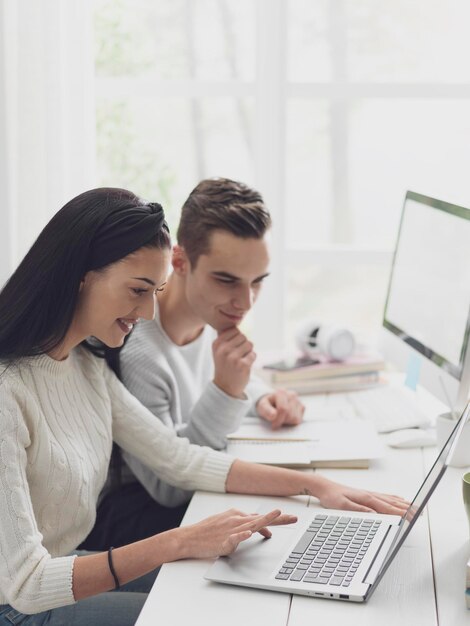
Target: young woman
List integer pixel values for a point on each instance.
(92, 273)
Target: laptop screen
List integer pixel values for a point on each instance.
(429, 484)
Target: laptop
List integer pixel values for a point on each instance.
(331, 554)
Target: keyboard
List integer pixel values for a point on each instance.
(330, 551)
(389, 408)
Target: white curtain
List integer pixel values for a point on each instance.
(47, 123)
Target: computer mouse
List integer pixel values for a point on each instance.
(411, 438)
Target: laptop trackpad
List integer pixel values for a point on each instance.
(255, 558)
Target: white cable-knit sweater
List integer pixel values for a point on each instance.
(57, 423)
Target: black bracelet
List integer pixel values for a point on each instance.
(112, 570)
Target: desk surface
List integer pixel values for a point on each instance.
(424, 585)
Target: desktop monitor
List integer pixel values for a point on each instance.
(426, 320)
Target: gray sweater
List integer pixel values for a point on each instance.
(57, 423)
(175, 383)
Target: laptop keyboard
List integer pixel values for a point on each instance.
(330, 551)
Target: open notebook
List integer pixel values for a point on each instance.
(351, 444)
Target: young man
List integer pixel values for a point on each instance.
(192, 365)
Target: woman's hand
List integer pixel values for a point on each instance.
(336, 496)
(220, 534)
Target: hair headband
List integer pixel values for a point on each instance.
(123, 231)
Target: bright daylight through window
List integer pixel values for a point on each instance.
(369, 104)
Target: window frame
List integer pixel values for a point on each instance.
(271, 92)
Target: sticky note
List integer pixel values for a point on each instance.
(413, 370)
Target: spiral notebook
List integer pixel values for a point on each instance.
(351, 444)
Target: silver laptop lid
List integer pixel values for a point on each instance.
(428, 486)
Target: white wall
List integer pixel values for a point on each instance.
(47, 150)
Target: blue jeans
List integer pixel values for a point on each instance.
(115, 608)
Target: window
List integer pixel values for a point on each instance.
(332, 108)
(174, 94)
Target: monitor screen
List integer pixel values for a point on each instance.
(428, 301)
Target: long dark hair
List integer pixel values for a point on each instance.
(91, 231)
(38, 302)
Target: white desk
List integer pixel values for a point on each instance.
(424, 585)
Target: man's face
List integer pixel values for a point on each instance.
(225, 283)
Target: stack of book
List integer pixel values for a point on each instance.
(320, 375)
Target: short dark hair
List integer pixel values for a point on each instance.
(220, 204)
(93, 230)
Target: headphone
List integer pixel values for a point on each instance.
(334, 342)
